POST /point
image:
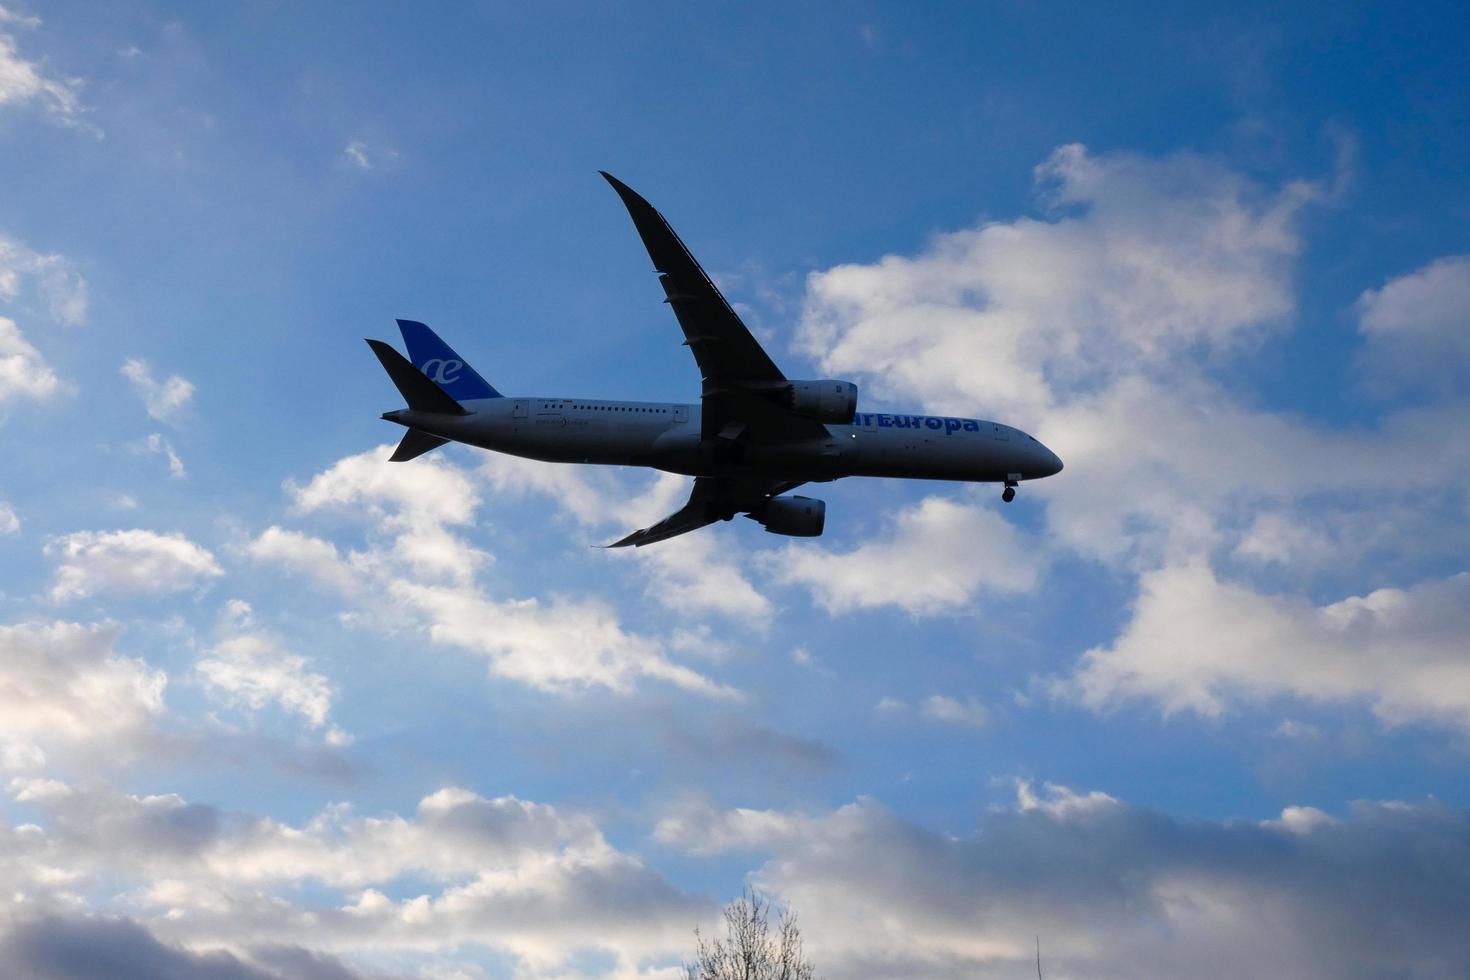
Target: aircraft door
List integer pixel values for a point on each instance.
(518, 410)
(681, 413)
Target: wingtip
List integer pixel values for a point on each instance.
(628, 194)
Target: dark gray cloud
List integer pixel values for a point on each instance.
(91, 948)
(1120, 891)
(728, 740)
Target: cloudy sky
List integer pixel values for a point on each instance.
(272, 707)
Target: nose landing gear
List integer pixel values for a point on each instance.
(1009, 493)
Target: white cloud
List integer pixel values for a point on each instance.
(454, 836)
(1107, 885)
(416, 562)
(695, 573)
(1144, 259)
(1060, 802)
(20, 20)
(356, 154)
(9, 522)
(934, 558)
(698, 828)
(1291, 728)
(564, 645)
(255, 670)
(1281, 539)
(21, 756)
(63, 288)
(156, 445)
(1095, 328)
(361, 155)
(692, 574)
(1418, 325)
(1301, 819)
(938, 708)
(1196, 643)
(314, 557)
(23, 372)
(64, 682)
(165, 400)
(511, 875)
(1157, 468)
(593, 495)
(132, 562)
(966, 714)
(23, 82)
(416, 504)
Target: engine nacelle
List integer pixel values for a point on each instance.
(825, 401)
(796, 517)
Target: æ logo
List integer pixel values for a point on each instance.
(442, 370)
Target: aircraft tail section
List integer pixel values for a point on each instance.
(421, 394)
(439, 362)
(415, 443)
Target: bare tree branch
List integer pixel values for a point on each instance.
(749, 951)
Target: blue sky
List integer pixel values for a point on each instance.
(272, 707)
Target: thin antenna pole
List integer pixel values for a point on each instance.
(1038, 957)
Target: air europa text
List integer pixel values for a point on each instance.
(948, 425)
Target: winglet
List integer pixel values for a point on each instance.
(421, 394)
(669, 254)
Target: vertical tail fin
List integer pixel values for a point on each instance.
(442, 365)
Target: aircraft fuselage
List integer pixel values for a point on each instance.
(666, 436)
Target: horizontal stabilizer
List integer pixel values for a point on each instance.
(415, 443)
(421, 394)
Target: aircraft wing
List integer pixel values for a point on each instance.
(713, 498)
(734, 366)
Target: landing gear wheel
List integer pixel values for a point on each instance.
(1008, 494)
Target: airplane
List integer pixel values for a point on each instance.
(755, 436)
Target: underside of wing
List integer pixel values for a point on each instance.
(711, 499)
(755, 417)
(686, 519)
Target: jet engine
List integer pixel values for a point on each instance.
(796, 517)
(825, 401)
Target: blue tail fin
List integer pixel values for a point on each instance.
(442, 365)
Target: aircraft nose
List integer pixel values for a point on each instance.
(1042, 462)
(1051, 462)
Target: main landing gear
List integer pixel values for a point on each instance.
(1009, 493)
